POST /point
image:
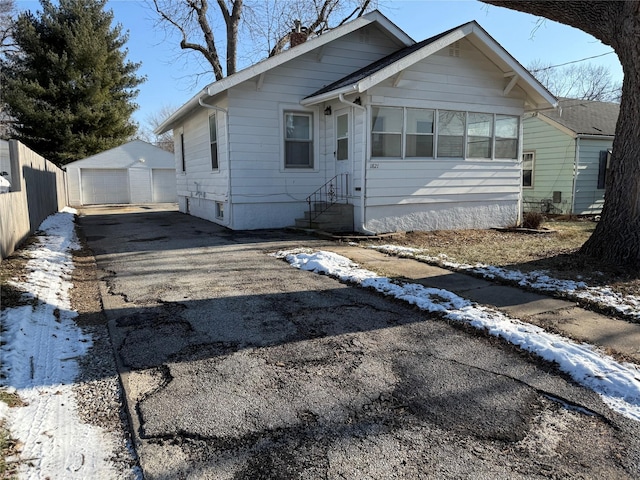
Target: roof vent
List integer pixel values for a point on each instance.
(298, 34)
(454, 49)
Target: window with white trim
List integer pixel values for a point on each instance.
(419, 136)
(386, 132)
(220, 210)
(298, 140)
(213, 141)
(402, 132)
(451, 129)
(479, 135)
(507, 128)
(528, 159)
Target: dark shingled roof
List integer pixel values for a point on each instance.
(380, 64)
(585, 117)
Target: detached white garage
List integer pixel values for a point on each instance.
(136, 172)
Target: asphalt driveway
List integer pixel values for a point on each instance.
(238, 366)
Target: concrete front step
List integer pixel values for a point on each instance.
(337, 218)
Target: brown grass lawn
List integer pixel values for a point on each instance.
(555, 251)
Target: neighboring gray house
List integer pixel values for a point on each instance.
(412, 136)
(136, 172)
(565, 156)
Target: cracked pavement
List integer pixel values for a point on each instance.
(237, 366)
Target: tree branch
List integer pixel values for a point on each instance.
(598, 18)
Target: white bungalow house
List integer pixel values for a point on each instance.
(135, 172)
(412, 136)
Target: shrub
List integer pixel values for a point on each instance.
(532, 220)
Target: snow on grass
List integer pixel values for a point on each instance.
(618, 384)
(628, 305)
(39, 350)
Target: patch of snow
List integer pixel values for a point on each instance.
(41, 345)
(618, 384)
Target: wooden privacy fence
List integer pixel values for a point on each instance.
(38, 189)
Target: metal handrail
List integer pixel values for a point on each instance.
(334, 191)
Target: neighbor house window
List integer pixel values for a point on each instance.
(479, 135)
(527, 168)
(419, 136)
(386, 132)
(219, 210)
(451, 128)
(298, 140)
(213, 140)
(603, 168)
(506, 136)
(183, 160)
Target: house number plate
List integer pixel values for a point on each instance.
(374, 165)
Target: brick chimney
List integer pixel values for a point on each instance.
(298, 34)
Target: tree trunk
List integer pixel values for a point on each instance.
(617, 235)
(616, 238)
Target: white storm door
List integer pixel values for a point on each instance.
(344, 148)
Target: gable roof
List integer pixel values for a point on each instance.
(585, 117)
(272, 62)
(136, 153)
(537, 95)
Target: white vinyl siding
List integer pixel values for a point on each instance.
(452, 189)
(200, 186)
(164, 185)
(265, 194)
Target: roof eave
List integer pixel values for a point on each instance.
(328, 96)
(178, 114)
(272, 62)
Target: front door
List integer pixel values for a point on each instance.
(343, 147)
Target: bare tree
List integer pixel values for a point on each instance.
(7, 9)
(154, 120)
(586, 81)
(267, 25)
(616, 238)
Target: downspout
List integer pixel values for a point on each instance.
(575, 176)
(226, 117)
(364, 163)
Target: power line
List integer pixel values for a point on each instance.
(569, 63)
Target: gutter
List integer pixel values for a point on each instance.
(324, 97)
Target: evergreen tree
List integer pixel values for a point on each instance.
(69, 86)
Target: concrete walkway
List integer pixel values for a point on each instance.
(615, 336)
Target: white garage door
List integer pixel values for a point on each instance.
(164, 185)
(102, 185)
